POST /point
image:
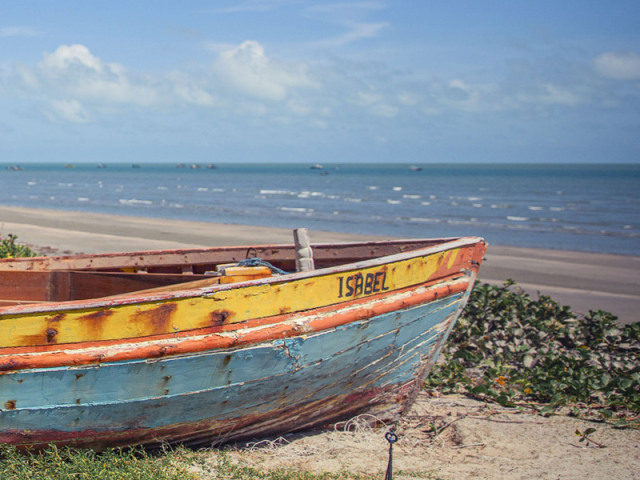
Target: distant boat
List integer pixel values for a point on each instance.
(102, 165)
(135, 165)
(413, 168)
(317, 166)
(207, 346)
(69, 165)
(212, 166)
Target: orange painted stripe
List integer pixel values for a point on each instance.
(273, 328)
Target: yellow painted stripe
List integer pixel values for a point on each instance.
(225, 306)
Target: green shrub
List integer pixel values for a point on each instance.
(514, 350)
(9, 248)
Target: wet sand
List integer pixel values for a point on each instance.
(584, 281)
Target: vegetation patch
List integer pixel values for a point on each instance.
(10, 249)
(517, 351)
(65, 463)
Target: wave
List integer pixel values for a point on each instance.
(296, 209)
(276, 192)
(134, 201)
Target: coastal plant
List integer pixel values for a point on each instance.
(55, 463)
(10, 249)
(518, 351)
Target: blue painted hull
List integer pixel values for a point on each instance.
(220, 396)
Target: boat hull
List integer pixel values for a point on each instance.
(321, 362)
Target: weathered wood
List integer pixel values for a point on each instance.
(205, 259)
(86, 285)
(304, 254)
(29, 286)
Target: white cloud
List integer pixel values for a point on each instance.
(27, 76)
(408, 99)
(557, 95)
(368, 98)
(17, 32)
(375, 103)
(253, 6)
(352, 17)
(384, 110)
(545, 94)
(344, 8)
(620, 66)
(188, 91)
(356, 32)
(68, 56)
(459, 95)
(299, 107)
(69, 110)
(74, 70)
(247, 69)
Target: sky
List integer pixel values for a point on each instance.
(397, 81)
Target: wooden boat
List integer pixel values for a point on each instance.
(207, 346)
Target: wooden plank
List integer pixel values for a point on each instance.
(304, 253)
(208, 258)
(86, 285)
(28, 286)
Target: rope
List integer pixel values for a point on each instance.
(391, 438)
(258, 262)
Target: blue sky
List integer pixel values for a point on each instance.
(304, 81)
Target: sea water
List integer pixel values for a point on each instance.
(593, 208)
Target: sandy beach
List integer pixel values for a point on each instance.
(583, 281)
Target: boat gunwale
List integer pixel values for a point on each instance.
(53, 260)
(130, 298)
(231, 336)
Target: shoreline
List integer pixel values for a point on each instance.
(584, 281)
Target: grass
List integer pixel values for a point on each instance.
(65, 463)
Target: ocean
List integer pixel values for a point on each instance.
(592, 208)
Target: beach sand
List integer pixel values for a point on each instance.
(474, 440)
(583, 281)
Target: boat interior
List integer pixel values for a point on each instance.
(82, 277)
